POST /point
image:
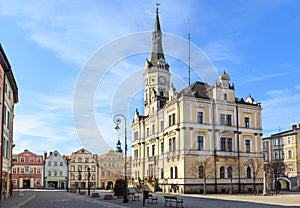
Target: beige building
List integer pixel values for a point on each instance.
(284, 146)
(111, 167)
(78, 174)
(199, 139)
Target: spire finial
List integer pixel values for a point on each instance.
(157, 4)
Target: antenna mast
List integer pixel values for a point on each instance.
(189, 38)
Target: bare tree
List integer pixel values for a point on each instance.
(230, 172)
(202, 169)
(276, 168)
(256, 166)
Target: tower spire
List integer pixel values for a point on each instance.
(157, 49)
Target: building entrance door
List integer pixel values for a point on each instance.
(26, 184)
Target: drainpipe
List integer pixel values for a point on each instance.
(238, 146)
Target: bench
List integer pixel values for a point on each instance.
(173, 199)
(134, 197)
(152, 198)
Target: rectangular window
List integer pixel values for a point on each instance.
(264, 145)
(103, 173)
(200, 117)
(223, 144)
(22, 160)
(247, 145)
(55, 173)
(228, 120)
(229, 144)
(22, 171)
(14, 170)
(276, 142)
(282, 155)
(200, 143)
(31, 160)
(162, 173)
(55, 163)
(153, 149)
(222, 119)
(49, 163)
(38, 160)
(153, 129)
(108, 173)
(289, 140)
(173, 118)
(161, 125)
(174, 144)
(282, 141)
(60, 173)
(147, 131)
(38, 171)
(290, 154)
(276, 155)
(247, 122)
(31, 170)
(147, 151)
(170, 145)
(264, 156)
(61, 164)
(49, 173)
(8, 119)
(170, 120)
(162, 148)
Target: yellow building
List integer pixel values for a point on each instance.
(283, 146)
(80, 164)
(112, 168)
(201, 139)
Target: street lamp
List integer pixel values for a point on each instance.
(79, 179)
(89, 175)
(117, 121)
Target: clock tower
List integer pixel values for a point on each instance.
(156, 74)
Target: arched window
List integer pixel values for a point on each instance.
(229, 171)
(201, 171)
(176, 172)
(171, 172)
(225, 96)
(222, 172)
(248, 172)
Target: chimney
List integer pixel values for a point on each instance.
(45, 155)
(50, 153)
(298, 125)
(294, 127)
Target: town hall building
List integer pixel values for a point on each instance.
(201, 139)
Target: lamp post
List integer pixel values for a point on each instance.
(79, 179)
(117, 121)
(89, 175)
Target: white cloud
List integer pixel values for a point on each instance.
(280, 110)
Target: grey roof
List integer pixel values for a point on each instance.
(196, 89)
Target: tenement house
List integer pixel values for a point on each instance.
(281, 152)
(8, 99)
(82, 170)
(56, 171)
(199, 139)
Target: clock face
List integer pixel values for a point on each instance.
(162, 79)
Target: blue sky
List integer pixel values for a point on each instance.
(51, 44)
